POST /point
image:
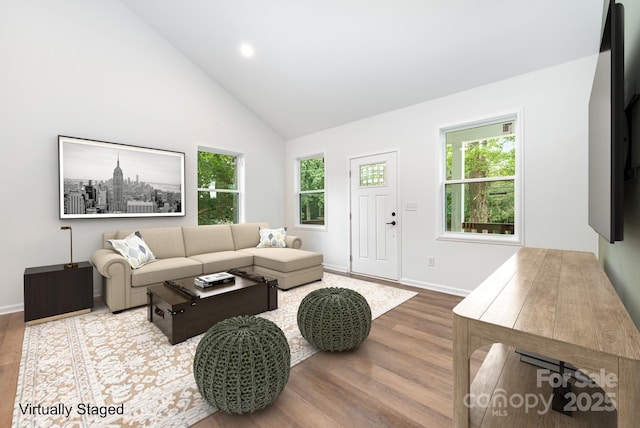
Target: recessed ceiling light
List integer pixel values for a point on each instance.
(246, 50)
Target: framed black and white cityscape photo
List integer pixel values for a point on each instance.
(100, 179)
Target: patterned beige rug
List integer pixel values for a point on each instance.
(105, 370)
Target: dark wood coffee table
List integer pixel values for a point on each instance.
(181, 316)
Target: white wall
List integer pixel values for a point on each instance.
(94, 70)
(554, 102)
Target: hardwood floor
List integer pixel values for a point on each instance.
(11, 335)
(400, 376)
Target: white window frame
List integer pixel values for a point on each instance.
(298, 192)
(239, 179)
(518, 236)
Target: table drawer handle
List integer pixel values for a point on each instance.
(159, 312)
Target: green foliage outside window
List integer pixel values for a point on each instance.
(487, 201)
(311, 196)
(217, 188)
(223, 209)
(312, 174)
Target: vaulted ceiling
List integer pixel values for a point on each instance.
(320, 64)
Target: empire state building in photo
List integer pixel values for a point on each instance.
(118, 196)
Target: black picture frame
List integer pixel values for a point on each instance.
(99, 179)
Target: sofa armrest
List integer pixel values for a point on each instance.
(116, 273)
(103, 259)
(293, 241)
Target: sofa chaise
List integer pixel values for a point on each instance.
(189, 251)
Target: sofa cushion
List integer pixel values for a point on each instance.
(246, 235)
(223, 261)
(207, 239)
(287, 280)
(284, 259)
(165, 242)
(164, 269)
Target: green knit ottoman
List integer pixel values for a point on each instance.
(242, 364)
(334, 319)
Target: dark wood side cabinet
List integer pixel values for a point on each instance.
(52, 292)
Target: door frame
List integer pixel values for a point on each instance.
(398, 272)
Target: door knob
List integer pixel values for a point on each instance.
(393, 223)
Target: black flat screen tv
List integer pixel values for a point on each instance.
(608, 131)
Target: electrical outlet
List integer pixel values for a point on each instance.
(431, 261)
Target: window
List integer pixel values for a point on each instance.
(310, 200)
(218, 187)
(481, 186)
(373, 175)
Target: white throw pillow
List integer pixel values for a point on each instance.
(272, 238)
(134, 249)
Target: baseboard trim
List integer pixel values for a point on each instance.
(11, 309)
(404, 281)
(335, 268)
(435, 287)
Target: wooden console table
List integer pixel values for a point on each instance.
(559, 304)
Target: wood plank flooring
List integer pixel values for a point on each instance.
(401, 376)
(11, 335)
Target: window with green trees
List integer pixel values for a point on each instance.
(311, 196)
(218, 190)
(480, 179)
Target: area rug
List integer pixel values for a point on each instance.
(106, 370)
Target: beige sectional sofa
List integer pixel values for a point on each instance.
(188, 251)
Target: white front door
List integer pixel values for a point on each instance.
(374, 216)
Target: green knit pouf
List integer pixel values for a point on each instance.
(242, 364)
(334, 319)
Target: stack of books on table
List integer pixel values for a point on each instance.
(206, 281)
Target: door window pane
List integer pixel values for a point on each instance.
(373, 174)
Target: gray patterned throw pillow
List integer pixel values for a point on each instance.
(134, 249)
